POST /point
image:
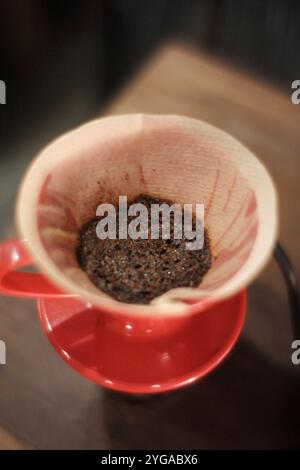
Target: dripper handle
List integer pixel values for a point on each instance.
(13, 256)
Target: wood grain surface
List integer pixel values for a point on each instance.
(251, 401)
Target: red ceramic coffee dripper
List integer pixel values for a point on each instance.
(184, 333)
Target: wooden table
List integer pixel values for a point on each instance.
(252, 400)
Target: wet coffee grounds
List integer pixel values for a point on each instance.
(137, 271)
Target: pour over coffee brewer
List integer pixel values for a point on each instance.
(184, 333)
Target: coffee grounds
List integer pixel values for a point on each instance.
(137, 271)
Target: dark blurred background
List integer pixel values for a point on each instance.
(73, 55)
(62, 61)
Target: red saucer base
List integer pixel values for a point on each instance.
(117, 358)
